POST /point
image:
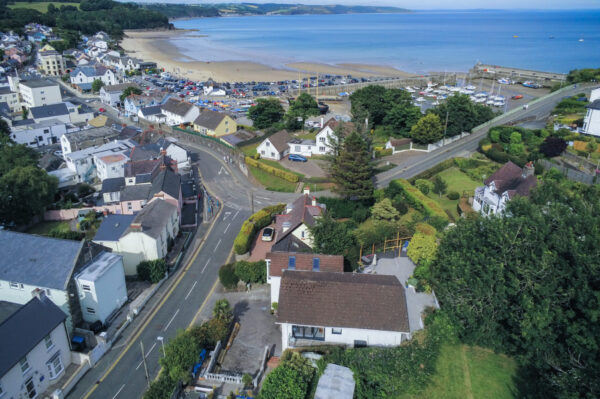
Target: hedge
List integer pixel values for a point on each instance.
(274, 171)
(257, 221)
(429, 173)
(438, 217)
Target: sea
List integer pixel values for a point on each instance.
(416, 42)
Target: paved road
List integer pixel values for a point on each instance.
(121, 372)
(416, 165)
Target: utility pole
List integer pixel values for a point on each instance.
(145, 366)
(252, 201)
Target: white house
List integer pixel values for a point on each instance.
(11, 98)
(38, 134)
(86, 162)
(111, 95)
(101, 287)
(35, 93)
(178, 154)
(324, 142)
(135, 102)
(504, 184)
(275, 147)
(35, 348)
(591, 122)
(110, 165)
(294, 224)
(366, 309)
(179, 112)
(152, 113)
(143, 236)
(84, 76)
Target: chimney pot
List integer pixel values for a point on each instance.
(314, 201)
(38, 293)
(306, 190)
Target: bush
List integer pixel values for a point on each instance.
(227, 276)
(257, 221)
(84, 189)
(341, 208)
(424, 186)
(207, 334)
(291, 380)
(291, 177)
(66, 235)
(453, 195)
(360, 215)
(429, 173)
(251, 272)
(160, 388)
(380, 153)
(437, 216)
(152, 270)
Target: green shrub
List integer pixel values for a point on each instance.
(380, 153)
(453, 195)
(251, 272)
(360, 215)
(257, 221)
(152, 270)
(66, 235)
(227, 276)
(429, 173)
(437, 216)
(207, 334)
(291, 177)
(424, 186)
(290, 380)
(160, 388)
(341, 208)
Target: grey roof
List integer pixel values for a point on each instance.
(154, 217)
(209, 119)
(5, 90)
(38, 83)
(337, 382)
(4, 109)
(151, 110)
(7, 309)
(168, 182)
(188, 214)
(36, 260)
(23, 122)
(49, 111)
(594, 105)
(113, 184)
(177, 107)
(113, 227)
(98, 266)
(26, 328)
(136, 192)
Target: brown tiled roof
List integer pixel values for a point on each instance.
(302, 212)
(209, 119)
(508, 177)
(347, 127)
(177, 107)
(524, 188)
(304, 262)
(399, 142)
(365, 301)
(134, 168)
(280, 140)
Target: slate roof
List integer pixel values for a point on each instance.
(352, 300)
(113, 227)
(302, 212)
(168, 182)
(136, 192)
(153, 217)
(49, 111)
(143, 167)
(238, 137)
(38, 83)
(113, 184)
(509, 178)
(5, 90)
(177, 107)
(304, 262)
(36, 260)
(347, 127)
(25, 329)
(119, 87)
(594, 105)
(151, 110)
(209, 119)
(290, 243)
(280, 140)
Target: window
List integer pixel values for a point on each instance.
(129, 206)
(297, 148)
(336, 331)
(316, 333)
(30, 388)
(267, 143)
(55, 366)
(16, 286)
(321, 139)
(316, 264)
(48, 292)
(86, 287)
(90, 310)
(48, 342)
(24, 365)
(262, 152)
(322, 149)
(292, 263)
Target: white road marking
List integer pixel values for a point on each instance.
(259, 202)
(235, 215)
(226, 215)
(171, 321)
(120, 389)
(206, 264)
(227, 228)
(148, 354)
(217, 246)
(138, 366)
(190, 291)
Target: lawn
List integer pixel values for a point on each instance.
(271, 182)
(41, 7)
(249, 150)
(307, 136)
(470, 372)
(44, 228)
(457, 181)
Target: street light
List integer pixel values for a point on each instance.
(162, 343)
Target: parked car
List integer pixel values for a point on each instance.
(268, 234)
(296, 158)
(517, 97)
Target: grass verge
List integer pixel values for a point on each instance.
(456, 181)
(44, 228)
(271, 182)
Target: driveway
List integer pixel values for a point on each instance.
(259, 248)
(308, 168)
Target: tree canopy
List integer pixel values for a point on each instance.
(529, 285)
(97, 84)
(427, 130)
(301, 108)
(129, 91)
(352, 169)
(266, 112)
(462, 114)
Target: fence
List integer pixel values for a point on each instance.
(569, 173)
(387, 245)
(428, 147)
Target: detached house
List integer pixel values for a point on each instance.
(324, 141)
(275, 147)
(216, 124)
(40, 92)
(503, 185)
(179, 112)
(111, 95)
(292, 227)
(349, 309)
(591, 121)
(83, 77)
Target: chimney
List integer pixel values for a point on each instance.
(306, 190)
(163, 151)
(314, 201)
(105, 212)
(528, 170)
(136, 227)
(38, 293)
(321, 123)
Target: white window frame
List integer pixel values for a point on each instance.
(86, 287)
(48, 342)
(55, 367)
(16, 286)
(24, 362)
(336, 331)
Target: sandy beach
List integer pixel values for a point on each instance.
(155, 46)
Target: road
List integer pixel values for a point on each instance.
(469, 144)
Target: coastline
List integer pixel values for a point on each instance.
(155, 45)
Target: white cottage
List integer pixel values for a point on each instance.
(275, 147)
(324, 142)
(179, 112)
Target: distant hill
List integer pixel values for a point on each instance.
(216, 10)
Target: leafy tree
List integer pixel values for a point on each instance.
(266, 112)
(591, 146)
(377, 102)
(331, 237)
(160, 388)
(375, 231)
(424, 186)
(427, 130)
(128, 91)
(439, 186)
(461, 113)
(288, 381)
(515, 138)
(352, 169)
(422, 247)
(251, 272)
(4, 130)
(401, 118)
(152, 270)
(25, 191)
(483, 114)
(553, 146)
(529, 285)
(181, 354)
(384, 210)
(97, 84)
(222, 310)
(301, 108)
(227, 276)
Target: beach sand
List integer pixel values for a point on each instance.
(155, 46)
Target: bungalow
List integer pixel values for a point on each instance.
(111, 95)
(366, 309)
(503, 185)
(216, 124)
(35, 347)
(179, 112)
(143, 236)
(275, 147)
(398, 145)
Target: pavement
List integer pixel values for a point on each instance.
(309, 168)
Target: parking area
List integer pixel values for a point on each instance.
(259, 247)
(310, 168)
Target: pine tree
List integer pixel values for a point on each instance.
(352, 169)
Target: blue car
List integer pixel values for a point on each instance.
(296, 158)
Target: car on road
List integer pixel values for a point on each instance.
(268, 234)
(517, 97)
(297, 158)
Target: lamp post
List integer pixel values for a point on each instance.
(162, 343)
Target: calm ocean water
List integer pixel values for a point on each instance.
(417, 42)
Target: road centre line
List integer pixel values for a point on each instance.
(206, 264)
(170, 321)
(226, 228)
(191, 289)
(235, 214)
(217, 246)
(120, 389)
